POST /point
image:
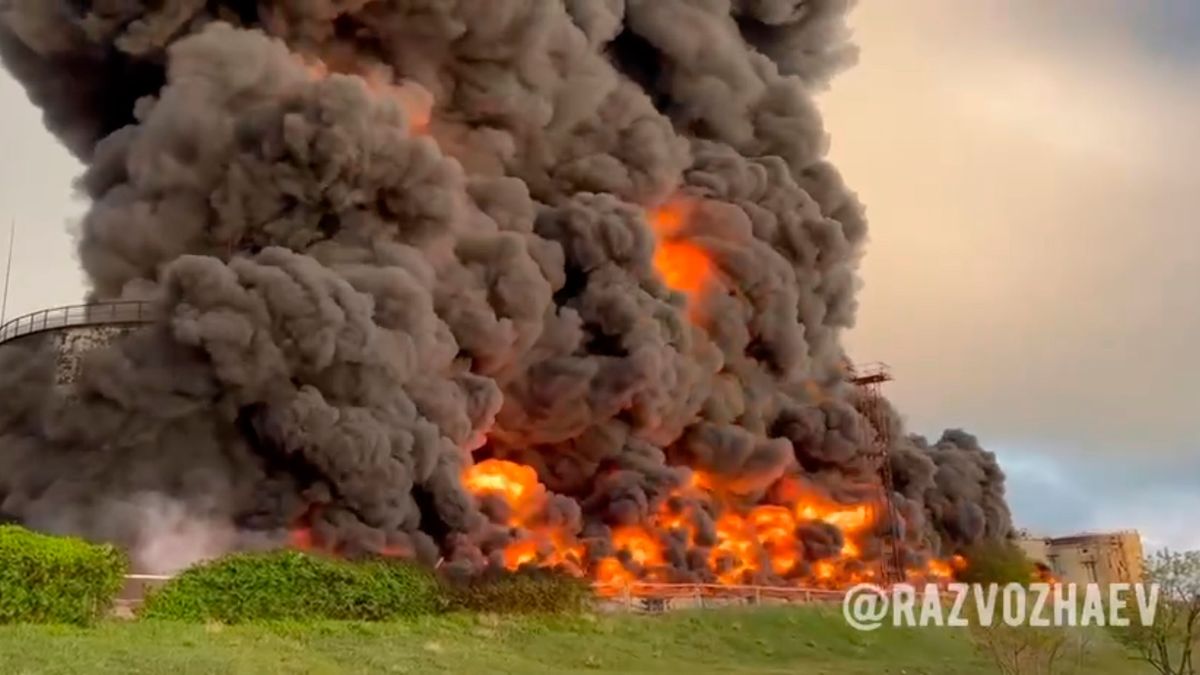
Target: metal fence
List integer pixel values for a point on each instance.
(662, 590)
(655, 597)
(633, 597)
(124, 312)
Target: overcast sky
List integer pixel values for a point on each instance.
(1031, 173)
(1034, 273)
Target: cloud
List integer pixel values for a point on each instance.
(1029, 175)
(1059, 496)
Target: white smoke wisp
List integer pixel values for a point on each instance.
(171, 538)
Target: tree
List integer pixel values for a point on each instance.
(1018, 649)
(1030, 650)
(997, 562)
(1169, 642)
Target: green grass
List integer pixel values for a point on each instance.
(770, 640)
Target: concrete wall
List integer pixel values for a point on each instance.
(1036, 548)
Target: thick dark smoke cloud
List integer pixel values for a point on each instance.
(387, 239)
(965, 501)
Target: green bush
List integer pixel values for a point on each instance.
(286, 585)
(532, 591)
(45, 579)
(997, 562)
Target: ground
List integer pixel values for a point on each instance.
(806, 640)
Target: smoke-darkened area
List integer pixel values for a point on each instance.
(491, 282)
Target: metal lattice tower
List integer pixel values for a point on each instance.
(870, 378)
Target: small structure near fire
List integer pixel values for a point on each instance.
(1103, 558)
(869, 379)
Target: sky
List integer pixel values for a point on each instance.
(1033, 277)
(36, 192)
(1034, 269)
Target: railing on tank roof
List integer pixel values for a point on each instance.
(96, 314)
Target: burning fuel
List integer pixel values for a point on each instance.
(764, 543)
(491, 282)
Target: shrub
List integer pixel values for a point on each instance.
(527, 591)
(1031, 650)
(286, 585)
(1169, 639)
(45, 579)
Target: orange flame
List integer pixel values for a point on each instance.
(520, 553)
(414, 100)
(683, 266)
(748, 542)
(512, 481)
(301, 539)
(939, 569)
(824, 570)
(1042, 574)
(516, 484)
(416, 103)
(644, 551)
(610, 571)
(643, 548)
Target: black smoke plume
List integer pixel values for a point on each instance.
(385, 240)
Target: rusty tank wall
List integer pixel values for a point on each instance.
(70, 345)
(72, 332)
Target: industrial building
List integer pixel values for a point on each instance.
(1102, 558)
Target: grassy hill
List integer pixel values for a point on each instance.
(778, 640)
